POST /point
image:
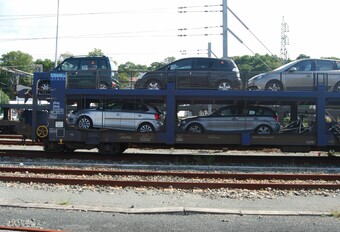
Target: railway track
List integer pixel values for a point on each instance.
(180, 180)
(193, 158)
(10, 228)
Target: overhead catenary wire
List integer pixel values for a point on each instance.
(253, 34)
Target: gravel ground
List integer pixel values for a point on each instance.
(231, 203)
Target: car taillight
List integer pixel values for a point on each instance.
(157, 117)
(276, 118)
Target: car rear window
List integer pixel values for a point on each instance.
(224, 64)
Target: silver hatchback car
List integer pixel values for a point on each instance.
(130, 116)
(303, 74)
(234, 118)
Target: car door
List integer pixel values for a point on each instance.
(181, 71)
(88, 76)
(200, 75)
(322, 75)
(300, 76)
(112, 115)
(253, 117)
(71, 67)
(104, 73)
(132, 114)
(225, 119)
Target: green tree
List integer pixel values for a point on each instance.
(250, 66)
(21, 65)
(157, 65)
(128, 72)
(302, 56)
(47, 64)
(4, 99)
(63, 56)
(96, 52)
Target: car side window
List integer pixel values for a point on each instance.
(90, 64)
(324, 65)
(203, 64)
(69, 65)
(182, 64)
(113, 107)
(304, 66)
(229, 111)
(223, 65)
(104, 64)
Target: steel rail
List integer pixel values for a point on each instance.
(168, 184)
(171, 184)
(9, 228)
(239, 176)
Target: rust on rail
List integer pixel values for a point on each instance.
(9, 228)
(239, 176)
(167, 184)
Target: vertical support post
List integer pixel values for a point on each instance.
(225, 29)
(171, 113)
(320, 115)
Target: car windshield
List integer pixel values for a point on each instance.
(283, 67)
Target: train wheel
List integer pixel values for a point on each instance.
(42, 131)
(54, 147)
(109, 148)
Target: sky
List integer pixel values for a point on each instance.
(149, 31)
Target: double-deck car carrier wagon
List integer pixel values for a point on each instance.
(58, 135)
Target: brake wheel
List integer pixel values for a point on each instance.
(42, 131)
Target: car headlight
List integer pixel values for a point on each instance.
(182, 122)
(258, 77)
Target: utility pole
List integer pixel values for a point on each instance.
(56, 38)
(284, 40)
(225, 29)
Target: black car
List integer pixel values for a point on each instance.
(193, 73)
(86, 72)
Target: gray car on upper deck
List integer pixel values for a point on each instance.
(302, 74)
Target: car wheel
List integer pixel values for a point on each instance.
(84, 122)
(224, 85)
(337, 87)
(146, 128)
(103, 85)
(274, 85)
(263, 130)
(153, 84)
(195, 128)
(45, 87)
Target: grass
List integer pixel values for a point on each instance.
(335, 214)
(64, 202)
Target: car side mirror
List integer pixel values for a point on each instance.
(293, 69)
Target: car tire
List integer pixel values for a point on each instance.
(263, 130)
(337, 87)
(224, 85)
(153, 85)
(195, 128)
(146, 128)
(84, 122)
(44, 87)
(103, 85)
(274, 85)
